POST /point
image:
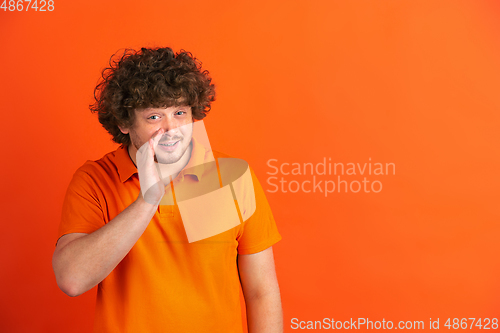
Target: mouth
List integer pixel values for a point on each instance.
(169, 145)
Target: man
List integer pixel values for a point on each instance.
(131, 220)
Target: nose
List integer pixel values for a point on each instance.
(170, 125)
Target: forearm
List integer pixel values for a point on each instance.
(264, 313)
(84, 262)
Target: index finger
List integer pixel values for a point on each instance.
(157, 136)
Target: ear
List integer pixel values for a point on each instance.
(124, 130)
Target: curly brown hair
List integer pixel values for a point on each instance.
(151, 77)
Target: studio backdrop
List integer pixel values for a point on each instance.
(373, 127)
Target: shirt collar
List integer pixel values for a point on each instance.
(124, 163)
(195, 165)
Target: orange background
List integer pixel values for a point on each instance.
(415, 83)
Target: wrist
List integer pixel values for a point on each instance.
(146, 204)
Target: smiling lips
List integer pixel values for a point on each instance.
(169, 145)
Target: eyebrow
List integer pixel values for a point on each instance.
(155, 110)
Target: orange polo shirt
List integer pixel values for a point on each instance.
(165, 283)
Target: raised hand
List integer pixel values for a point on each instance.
(152, 187)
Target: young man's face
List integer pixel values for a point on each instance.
(177, 121)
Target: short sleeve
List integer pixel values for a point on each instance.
(260, 231)
(82, 210)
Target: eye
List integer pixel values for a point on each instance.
(153, 117)
(180, 113)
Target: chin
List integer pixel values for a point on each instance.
(168, 159)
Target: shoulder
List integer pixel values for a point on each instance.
(233, 162)
(228, 161)
(236, 169)
(102, 169)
